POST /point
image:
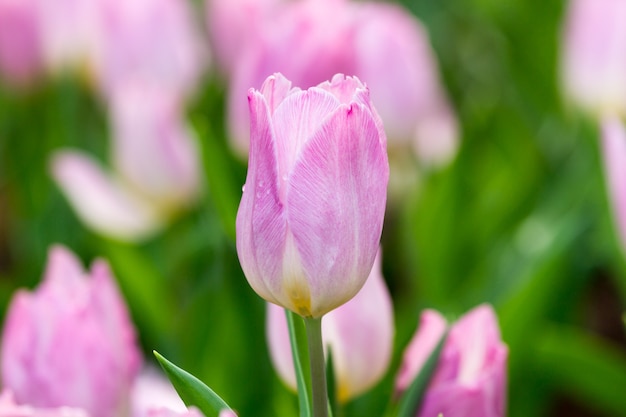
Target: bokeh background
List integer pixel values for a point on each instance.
(520, 219)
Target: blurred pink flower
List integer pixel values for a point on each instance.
(614, 154)
(153, 391)
(154, 42)
(8, 408)
(394, 57)
(155, 163)
(234, 23)
(20, 43)
(594, 55)
(310, 218)
(71, 341)
(309, 41)
(470, 378)
(359, 334)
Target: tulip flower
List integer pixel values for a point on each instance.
(70, 342)
(309, 41)
(8, 408)
(148, 41)
(20, 43)
(594, 55)
(311, 214)
(470, 378)
(359, 334)
(614, 153)
(232, 24)
(156, 168)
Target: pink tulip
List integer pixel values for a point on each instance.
(470, 378)
(614, 153)
(20, 43)
(150, 41)
(311, 215)
(8, 408)
(156, 168)
(594, 55)
(153, 148)
(359, 334)
(71, 341)
(232, 24)
(309, 41)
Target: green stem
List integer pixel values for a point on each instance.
(318, 367)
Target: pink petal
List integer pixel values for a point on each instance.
(336, 202)
(99, 201)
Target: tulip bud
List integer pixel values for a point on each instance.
(311, 214)
(594, 55)
(8, 408)
(71, 341)
(156, 161)
(166, 412)
(359, 334)
(470, 378)
(614, 153)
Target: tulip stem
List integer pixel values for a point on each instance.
(318, 366)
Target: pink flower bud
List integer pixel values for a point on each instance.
(71, 341)
(359, 334)
(470, 379)
(311, 214)
(594, 55)
(8, 408)
(614, 153)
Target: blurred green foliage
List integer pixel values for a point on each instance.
(519, 220)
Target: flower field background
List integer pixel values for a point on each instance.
(520, 218)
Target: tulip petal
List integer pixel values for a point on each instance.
(336, 200)
(295, 120)
(100, 202)
(261, 227)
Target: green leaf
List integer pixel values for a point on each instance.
(585, 365)
(192, 390)
(412, 397)
(300, 352)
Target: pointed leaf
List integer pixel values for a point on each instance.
(191, 390)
